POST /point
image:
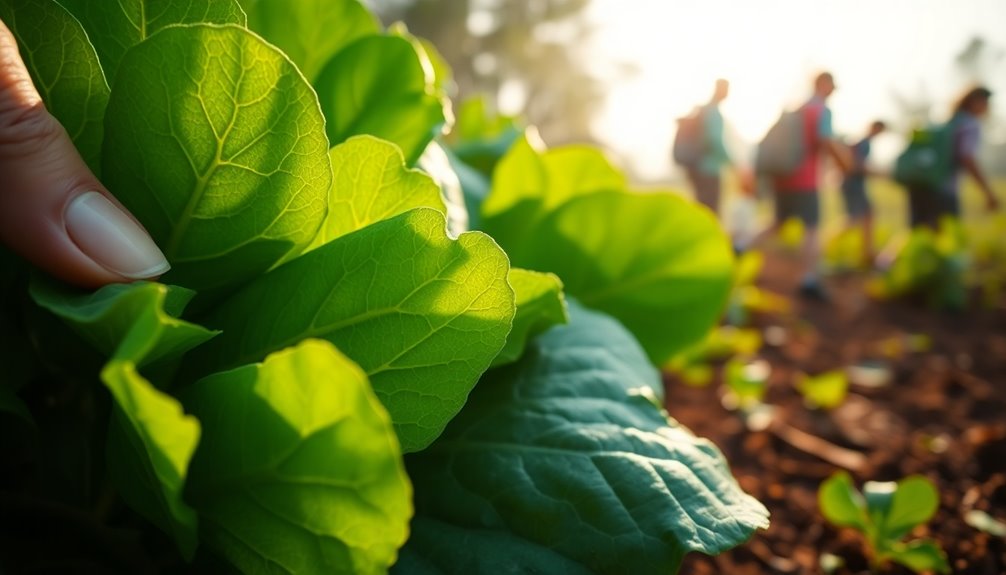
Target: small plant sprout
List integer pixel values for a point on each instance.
(825, 391)
(885, 512)
(745, 381)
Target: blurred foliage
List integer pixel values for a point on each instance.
(522, 46)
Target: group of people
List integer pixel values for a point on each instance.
(797, 193)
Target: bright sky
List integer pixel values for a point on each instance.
(770, 50)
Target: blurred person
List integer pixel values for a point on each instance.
(858, 210)
(53, 211)
(927, 206)
(707, 154)
(797, 194)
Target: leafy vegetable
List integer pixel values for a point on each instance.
(422, 314)
(115, 27)
(886, 512)
(570, 449)
(378, 85)
(214, 141)
(540, 305)
(106, 317)
(310, 32)
(372, 184)
(302, 472)
(64, 68)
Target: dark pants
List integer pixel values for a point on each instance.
(706, 188)
(928, 205)
(804, 205)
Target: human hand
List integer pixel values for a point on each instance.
(53, 211)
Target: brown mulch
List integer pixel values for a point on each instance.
(943, 415)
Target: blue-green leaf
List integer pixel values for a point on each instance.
(569, 449)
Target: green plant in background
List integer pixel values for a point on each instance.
(746, 381)
(825, 391)
(320, 320)
(885, 512)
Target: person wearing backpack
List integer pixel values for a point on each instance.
(954, 148)
(859, 212)
(699, 148)
(790, 155)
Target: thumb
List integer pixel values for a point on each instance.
(53, 211)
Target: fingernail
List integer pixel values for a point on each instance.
(112, 239)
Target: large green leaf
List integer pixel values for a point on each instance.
(841, 503)
(310, 32)
(378, 85)
(372, 184)
(215, 142)
(64, 68)
(150, 439)
(540, 305)
(150, 443)
(433, 549)
(114, 26)
(570, 449)
(658, 263)
(299, 470)
(106, 317)
(422, 314)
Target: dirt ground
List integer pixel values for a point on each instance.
(942, 415)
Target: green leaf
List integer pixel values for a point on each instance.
(540, 305)
(422, 314)
(827, 390)
(570, 449)
(115, 27)
(310, 32)
(433, 549)
(372, 184)
(527, 185)
(215, 142)
(150, 443)
(841, 503)
(377, 85)
(299, 470)
(108, 316)
(913, 503)
(920, 555)
(657, 262)
(64, 68)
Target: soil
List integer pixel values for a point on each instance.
(942, 415)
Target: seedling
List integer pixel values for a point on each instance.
(885, 512)
(824, 391)
(746, 382)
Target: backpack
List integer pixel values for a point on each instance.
(783, 149)
(690, 139)
(928, 159)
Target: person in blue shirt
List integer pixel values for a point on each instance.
(705, 175)
(927, 206)
(859, 212)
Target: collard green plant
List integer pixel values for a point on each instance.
(885, 512)
(320, 319)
